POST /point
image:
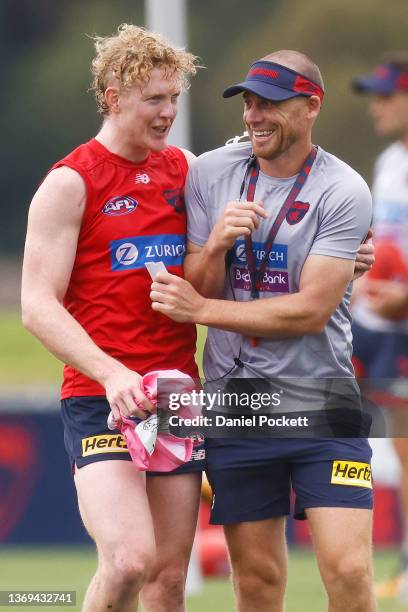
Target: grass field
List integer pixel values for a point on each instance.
(24, 361)
(71, 569)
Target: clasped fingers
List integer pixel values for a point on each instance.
(239, 219)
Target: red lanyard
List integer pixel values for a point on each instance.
(254, 274)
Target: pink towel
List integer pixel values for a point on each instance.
(150, 450)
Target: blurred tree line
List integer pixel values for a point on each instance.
(45, 55)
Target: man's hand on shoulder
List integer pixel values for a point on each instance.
(365, 257)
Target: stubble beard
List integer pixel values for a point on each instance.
(278, 149)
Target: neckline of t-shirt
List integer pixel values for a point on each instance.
(287, 180)
(117, 159)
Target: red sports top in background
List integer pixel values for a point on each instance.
(134, 214)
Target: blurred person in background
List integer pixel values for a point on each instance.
(276, 305)
(85, 295)
(380, 300)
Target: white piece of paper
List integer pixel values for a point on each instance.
(154, 267)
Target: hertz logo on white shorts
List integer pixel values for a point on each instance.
(351, 473)
(106, 443)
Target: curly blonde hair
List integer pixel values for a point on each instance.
(130, 55)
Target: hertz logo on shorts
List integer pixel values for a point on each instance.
(351, 473)
(106, 443)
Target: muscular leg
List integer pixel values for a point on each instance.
(342, 539)
(259, 564)
(401, 448)
(174, 504)
(115, 511)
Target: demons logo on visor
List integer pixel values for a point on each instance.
(296, 212)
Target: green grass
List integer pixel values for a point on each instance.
(24, 361)
(71, 569)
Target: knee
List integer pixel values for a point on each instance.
(259, 579)
(170, 583)
(127, 570)
(350, 574)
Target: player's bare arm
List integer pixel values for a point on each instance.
(205, 266)
(323, 283)
(53, 227)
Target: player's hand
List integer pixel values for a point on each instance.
(365, 256)
(238, 219)
(388, 299)
(176, 298)
(125, 395)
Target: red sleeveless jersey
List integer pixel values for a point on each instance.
(134, 214)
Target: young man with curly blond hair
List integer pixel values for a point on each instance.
(97, 215)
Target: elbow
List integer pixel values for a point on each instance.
(315, 324)
(29, 316)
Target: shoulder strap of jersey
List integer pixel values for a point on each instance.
(181, 158)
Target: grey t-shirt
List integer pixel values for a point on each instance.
(332, 216)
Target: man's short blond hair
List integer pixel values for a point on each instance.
(129, 56)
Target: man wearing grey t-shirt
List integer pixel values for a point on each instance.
(274, 228)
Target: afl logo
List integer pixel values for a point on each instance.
(121, 205)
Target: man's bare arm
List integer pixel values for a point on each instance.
(323, 283)
(53, 227)
(205, 270)
(205, 267)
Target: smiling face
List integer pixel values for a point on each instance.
(144, 114)
(275, 127)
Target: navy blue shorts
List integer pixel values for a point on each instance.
(378, 354)
(88, 439)
(252, 479)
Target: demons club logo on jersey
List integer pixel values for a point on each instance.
(175, 198)
(121, 205)
(296, 212)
